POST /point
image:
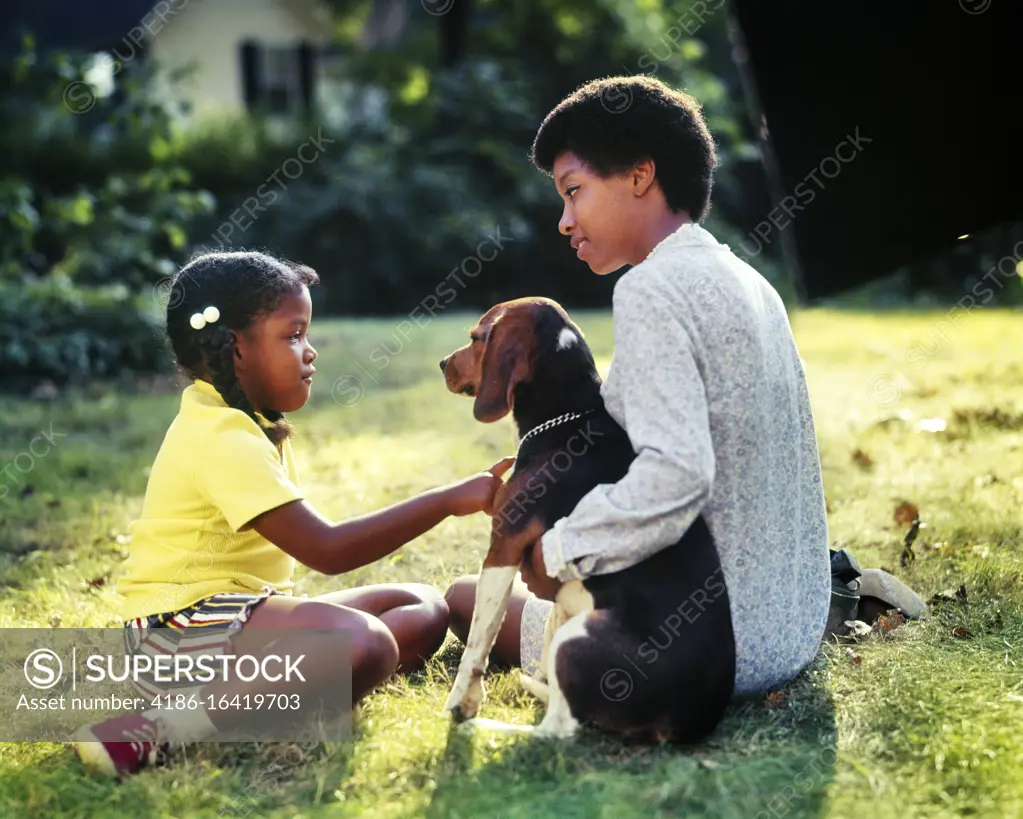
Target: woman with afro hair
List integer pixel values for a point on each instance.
(706, 380)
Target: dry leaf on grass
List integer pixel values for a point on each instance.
(863, 459)
(961, 632)
(950, 596)
(890, 621)
(906, 513)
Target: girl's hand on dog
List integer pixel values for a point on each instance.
(476, 494)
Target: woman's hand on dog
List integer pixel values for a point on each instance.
(534, 574)
(476, 494)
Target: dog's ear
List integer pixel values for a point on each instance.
(505, 365)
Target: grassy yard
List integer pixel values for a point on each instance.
(926, 720)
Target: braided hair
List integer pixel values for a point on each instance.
(243, 286)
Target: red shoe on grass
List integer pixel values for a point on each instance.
(122, 745)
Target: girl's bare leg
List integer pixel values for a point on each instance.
(373, 653)
(416, 614)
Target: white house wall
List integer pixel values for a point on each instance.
(207, 34)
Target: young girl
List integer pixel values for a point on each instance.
(223, 521)
(705, 379)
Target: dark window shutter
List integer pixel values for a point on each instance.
(454, 32)
(252, 84)
(307, 74)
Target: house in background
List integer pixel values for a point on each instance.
(242, 55)
(226, 57)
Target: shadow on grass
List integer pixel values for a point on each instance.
(770, 758)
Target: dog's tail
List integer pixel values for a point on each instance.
(538, 689)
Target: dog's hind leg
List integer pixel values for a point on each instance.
(533, 686)
(493, 727)
(572, 599)
(558, 722)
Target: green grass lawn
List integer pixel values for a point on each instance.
(926, 720)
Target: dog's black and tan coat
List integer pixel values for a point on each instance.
(606, 661)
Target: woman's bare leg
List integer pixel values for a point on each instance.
(461, 599)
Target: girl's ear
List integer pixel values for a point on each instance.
(505, 365)
(232, 337)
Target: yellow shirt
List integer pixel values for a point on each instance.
(216, 470)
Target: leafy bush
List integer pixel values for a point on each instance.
(52, 330)
(91, 219)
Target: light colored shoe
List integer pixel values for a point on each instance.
(893, 593)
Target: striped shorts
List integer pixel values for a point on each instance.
(203, 628)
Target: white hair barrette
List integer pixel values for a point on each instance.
(207, 316)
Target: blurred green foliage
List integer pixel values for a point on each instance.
(428, 162)
(90, 221)
(420, 192)
(82, 193)
(54, 330)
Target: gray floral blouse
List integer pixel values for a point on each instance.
(708, 383)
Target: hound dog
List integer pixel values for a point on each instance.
(647, 652)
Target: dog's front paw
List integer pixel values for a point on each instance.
(466, 696)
